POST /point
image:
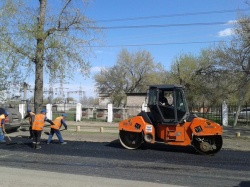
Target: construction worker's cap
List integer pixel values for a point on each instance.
(43, 111)
(28, 110)
(64, 115)
(6, 113)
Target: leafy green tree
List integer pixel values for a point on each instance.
(231, 65)
(212, 85)
(38, 36)
(201, 83)
(132, 73)
(235, 58)
(182, 72)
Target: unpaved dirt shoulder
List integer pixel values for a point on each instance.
(236, 143)
(90, 136)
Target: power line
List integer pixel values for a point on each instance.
(142, 26)
(158, 44)
(170, 15)
(159, 26)
(174, 15)
(164, 16)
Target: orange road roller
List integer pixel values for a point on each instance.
(169, 121)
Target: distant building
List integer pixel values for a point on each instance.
(134, 103)
(104, 99)
(135, 99)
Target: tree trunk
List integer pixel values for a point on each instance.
(40, 37)
(242, 95)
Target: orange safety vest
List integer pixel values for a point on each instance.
(38, 123)
(1, 118)
(57, 122)
(31, 114)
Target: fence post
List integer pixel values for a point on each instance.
(224, 114)
(49, 111)
(110, 113)
(144, 106)
(78, 111)
(21, 109)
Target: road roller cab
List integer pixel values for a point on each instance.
(169, 121)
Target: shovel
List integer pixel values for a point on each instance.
(10, 141)
(47, 133)
(8, 137)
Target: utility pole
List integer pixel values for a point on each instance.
(80, 93)
(51, 93)
(25, 87)
(61, 93)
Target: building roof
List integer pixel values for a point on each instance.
(136, 94)
(166, 86)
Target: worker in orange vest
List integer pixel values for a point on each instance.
(31, 116)
(55, 129)
(37, 128)
(2, 129)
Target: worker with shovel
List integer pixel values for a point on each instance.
(55, 129)
(2, 129)
(37, 128)
(31, 116)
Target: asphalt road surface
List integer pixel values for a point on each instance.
(160, 164)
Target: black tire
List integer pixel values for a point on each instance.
(207, 145)
(131, 140)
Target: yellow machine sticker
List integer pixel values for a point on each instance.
(149, 128)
